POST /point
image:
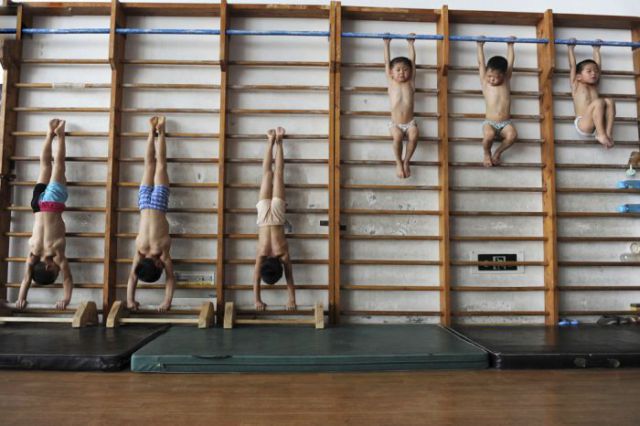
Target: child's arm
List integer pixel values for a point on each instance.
(256, 280)
(67, 283)
(170, 283)
(387, 57)
(572, 63)
(412, 56)
(21, 303)
(596, 54)
(132, 283)
(481, 65)
(288, 273)
(511, 56)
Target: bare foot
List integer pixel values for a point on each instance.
(291, 305)
(495, 160)
(21, 304)
(132, 305)
(407, 169)
(400, 169)
(60, 128)
(604, 140)
(153, 123)
(271, 135)
(161, 123)
(62, 304)
(280, 133)
(53, 125)
(611, 143)
(165, 306)
(260, 306)
(487, 160)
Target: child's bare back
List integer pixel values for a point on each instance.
(401, 74)
(495, 79)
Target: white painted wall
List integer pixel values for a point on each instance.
(316, 49)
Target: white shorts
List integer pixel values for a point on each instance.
(403, 127)
(580, 132)
(271, 212)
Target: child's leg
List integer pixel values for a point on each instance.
(266, 186)
(60, 157)
(150, 155)
(45, 157)
(278, 176)
(412, 143)
(594, 118)
(610, 117)
(509, 135)
(161, 176)
(397, 136)
(488, 134)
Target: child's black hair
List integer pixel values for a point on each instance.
(147, 271)
(400, 60)
(41, 275)
(271, 270)
(498, 63)
(580, 66)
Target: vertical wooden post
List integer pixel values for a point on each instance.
(635, 37)
(11, 57)
(443, 158)
(222, 138)
(546, 63)
(116, 56)
(334, 160)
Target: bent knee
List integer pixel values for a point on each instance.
(609, 102)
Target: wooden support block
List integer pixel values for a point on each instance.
(635, 307)
(229, 314)
(116, 312)
(205, 320)
(86, 314)
(318, 312)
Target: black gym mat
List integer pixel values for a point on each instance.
(305, 349)
(61, 347)
(521, 347)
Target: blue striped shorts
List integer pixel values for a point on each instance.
(153, 197)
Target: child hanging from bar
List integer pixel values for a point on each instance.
(594, 115)
(495, 79)
(401, 78)
(47, 243)
(273, 251)
(153, 243)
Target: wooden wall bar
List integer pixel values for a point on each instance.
(443, 159)
(546, 62)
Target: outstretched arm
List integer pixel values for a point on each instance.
(387, 57)
(288, 273)
(481, 63)
(412, 56)
(132, 283)
(170, 283)
(21, 303)
(572, 63)
(260, 306)
(67, 284)
(596, 54)
(511, 56)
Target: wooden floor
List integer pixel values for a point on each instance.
(556, 397)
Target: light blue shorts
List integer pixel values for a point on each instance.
(55, 192)
(153, 197)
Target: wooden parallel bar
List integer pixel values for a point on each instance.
(618, 96)
(249, 287)
(478, 165)
(382, 90)
(181, 286)
(619, 73)
(495, 289)
(248, 111)
(294, 261)
(590, 166)
(390, 14)
(222, 155)
(572, 263)
(617, 119)
(384, 114)
(391, 187)
(598, 190)
(172, 62)
(491, 17)
(58, 86)
(93, 286)
(474, 69)
(368, 313)
(479, 140)
(335, 156)
(203, 261)
(192, 185)
(55, 61)
(67, 159)
(381, 287)
(514, 93)
(546, 61)
(173, 86)
(278, 64)
(298, 136)
(381, 138)
(598, 214)
(287, 161)
(597, 239)
(479, 116)
(587, 143)
(291, 236)
(496, 238)
(444, 225)
(390, 262)
(184, 135)
(391, 212)
(289, 211)
(96, 260)
(391, 237)
(67, 134)
(385, 163)
(596, 21)
(68, 235)
(596, 313)
(196, 210)
(381, 65)
(499, 313)
(288, 186)
(599, 288)
(62, 109)
(10, 58)
(69, 209)
(81, 184)
(490, 263)
(165, 110)
(496, 213)
(494, 189)
(278, 11)
(277, 87)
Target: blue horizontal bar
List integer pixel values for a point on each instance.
(176, 31)
(7, 30)
(279, 33)
(393, 36)
(499, 39)
(597, 42)
(64, 30)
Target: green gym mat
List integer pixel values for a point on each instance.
(300, 349)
